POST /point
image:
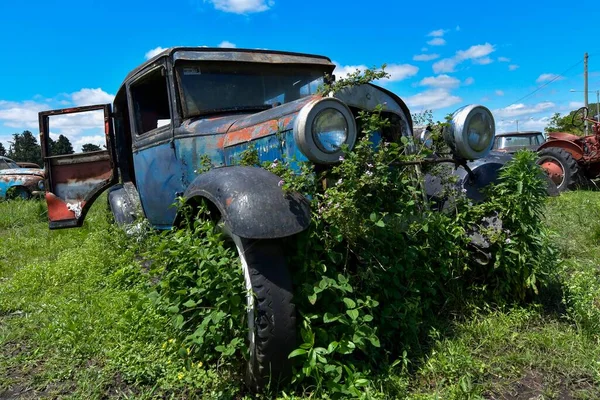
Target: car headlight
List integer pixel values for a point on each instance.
(471, 132)
(41, 185)
(322, 128)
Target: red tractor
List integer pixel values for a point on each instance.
(572, 160)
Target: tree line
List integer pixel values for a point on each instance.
(25, 147)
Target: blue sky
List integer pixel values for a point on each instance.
(441, 55)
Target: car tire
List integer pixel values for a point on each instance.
(271, 312)
(552, 159)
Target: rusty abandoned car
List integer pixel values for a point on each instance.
(188, 103)
(19, 182)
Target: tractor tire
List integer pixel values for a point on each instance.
(561, 167)
(271, 312)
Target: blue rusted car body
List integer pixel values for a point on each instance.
(189, 105)
(19, 182)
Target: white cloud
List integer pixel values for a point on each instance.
(342, 71)
(483, 61)
(398, 72)
(469, 81)
(432, 99)
(425, 57)
(437, 33)
(520, 109)
(573, 105)
(424, 49)
(227, 45)
(525, 124)
(512, 67)
(548, 77)
(503, 59)
(86, 97)
(154, 52)
(444, 65)
(98, 140)
(440, 81)
(22, 115)
(499, 93)
(478, 54)
(241, 6)
(476, 51)
(438, 41)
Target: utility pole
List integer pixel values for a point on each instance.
(585, 86)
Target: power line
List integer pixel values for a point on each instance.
(547, 83)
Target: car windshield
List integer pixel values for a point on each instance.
(7, 164)
(512, 141)
(208, 88)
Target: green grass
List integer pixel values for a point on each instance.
(76, 322)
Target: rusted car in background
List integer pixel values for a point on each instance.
(24, 164)
(511, 142)
(570, 160)
(189, 105)
(18, 182)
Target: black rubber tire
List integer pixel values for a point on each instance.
(572, 174)
(273, 314)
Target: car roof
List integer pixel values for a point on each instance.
(520, 133)
(240, 55)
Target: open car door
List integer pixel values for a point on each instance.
(74, 181)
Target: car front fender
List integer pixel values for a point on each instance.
(251, 202)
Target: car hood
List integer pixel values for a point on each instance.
(239, 120)
(514, 149)
(22, 171)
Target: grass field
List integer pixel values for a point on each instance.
(77, 321)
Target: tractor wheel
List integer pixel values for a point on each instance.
(561, 167)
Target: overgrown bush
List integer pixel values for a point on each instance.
(374, 272)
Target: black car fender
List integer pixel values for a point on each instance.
(251, 202)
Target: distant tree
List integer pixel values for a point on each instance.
(24, 147)
(560, 123)
(2, 150)
(90, 147)
(62, 146)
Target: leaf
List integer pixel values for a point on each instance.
(329, 317)
(349, 302)
(189, 304)
(178, 321)
(312, 298)
(297, 352)
(353, 314)
(380, 223)
(374, 341)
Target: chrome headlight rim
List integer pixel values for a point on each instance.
(305, 137)
(457, 133)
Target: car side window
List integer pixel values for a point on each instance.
(150, 101)
(3, 164)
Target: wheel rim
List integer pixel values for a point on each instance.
(554, 168)
(249, 294)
